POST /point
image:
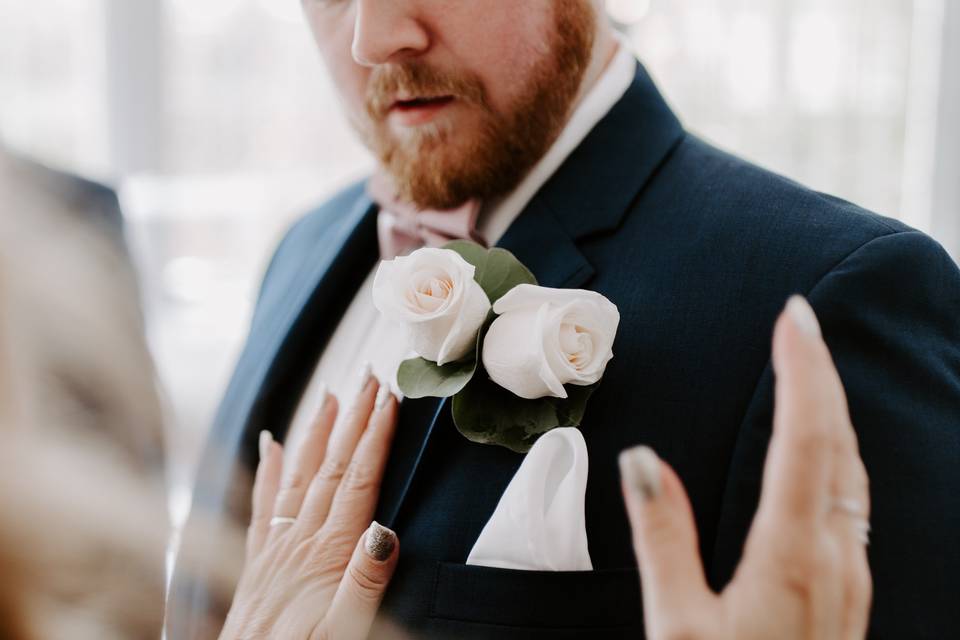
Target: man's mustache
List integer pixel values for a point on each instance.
(408, 80)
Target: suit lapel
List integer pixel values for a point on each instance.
(590, 194)
(310, 311)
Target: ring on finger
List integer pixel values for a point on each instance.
(855, 510)
(862, 528)
(849, 506)
(275, 520)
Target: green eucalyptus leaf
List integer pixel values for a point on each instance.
(419, 378)
(486, 413)
(469, 251)
(503, 272)
(497, 270)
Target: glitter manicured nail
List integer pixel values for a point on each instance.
(380, 542)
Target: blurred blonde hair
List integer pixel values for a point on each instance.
(84, 530)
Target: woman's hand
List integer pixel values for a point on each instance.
(804, 572)
(313, 567)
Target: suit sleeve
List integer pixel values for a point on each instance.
(890, 313)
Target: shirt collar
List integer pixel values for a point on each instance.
(497, 216)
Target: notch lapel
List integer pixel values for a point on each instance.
(590, 194)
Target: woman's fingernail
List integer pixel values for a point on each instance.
(803, 316)
(383, 396)
(366, 375)
(323, 398)
(640, 468)
(266, 439)
(380, 542)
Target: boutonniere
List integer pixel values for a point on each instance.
(518, 359)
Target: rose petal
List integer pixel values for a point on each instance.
(553, 365)
(461, 340)
(569, 323)
(433, 294)
(525, 296)
(512, 355)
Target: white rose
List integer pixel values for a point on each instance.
(546, 338)
(432, 293)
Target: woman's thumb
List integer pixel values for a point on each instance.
(664, 539)
(363, 585)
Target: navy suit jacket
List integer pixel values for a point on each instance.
(700, 251)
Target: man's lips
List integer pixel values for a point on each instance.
(419, 110)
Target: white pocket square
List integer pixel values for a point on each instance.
(539, 523)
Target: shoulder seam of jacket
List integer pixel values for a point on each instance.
(856, 250)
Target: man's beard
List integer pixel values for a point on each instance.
(434, 166)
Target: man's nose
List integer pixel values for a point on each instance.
(385, 31)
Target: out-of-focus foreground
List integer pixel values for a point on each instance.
(217, 124)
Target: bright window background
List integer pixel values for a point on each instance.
(216, 120)
(817, 90)
(52, 81)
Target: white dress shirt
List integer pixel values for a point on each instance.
(364, 336)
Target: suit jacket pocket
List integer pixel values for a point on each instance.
(537, 599)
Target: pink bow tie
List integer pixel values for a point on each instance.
(402, 228)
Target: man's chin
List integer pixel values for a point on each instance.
(438, 167)
(424, 138)
(429, 177)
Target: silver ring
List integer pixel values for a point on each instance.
(862, 528)
(856, 510)
(849, 506)
(275, 520)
